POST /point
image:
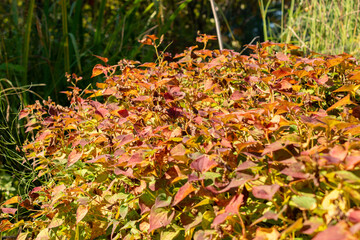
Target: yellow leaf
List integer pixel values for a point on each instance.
(267, 233)
(348, 88)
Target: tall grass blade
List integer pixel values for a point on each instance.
(26, 45)
(99, 22)
(65, 36)
(76, 49)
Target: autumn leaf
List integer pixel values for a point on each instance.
(104, 59)
(74, 156)
(12, 200)
(203, 164)
(344, 101)
(81, 212)
(183, 192)
(282, 72)
(267, 233)
(97, 70)
(265, 191)
(9, 210)
(337, 232)
(160, 217)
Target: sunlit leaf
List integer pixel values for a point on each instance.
(81, 212)
(304, 202)
(12, 200)
(342, 102)
(266, 191)
(74, 156)
(203, 164)
(160, 217)
(183, 192)
(337, 232)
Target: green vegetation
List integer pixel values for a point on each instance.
(205, 144)
(323, 26)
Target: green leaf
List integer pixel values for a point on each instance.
(304, 202)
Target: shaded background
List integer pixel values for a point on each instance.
(63, 35)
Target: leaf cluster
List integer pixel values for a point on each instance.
(203, 145)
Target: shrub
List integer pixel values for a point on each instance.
(202, 145)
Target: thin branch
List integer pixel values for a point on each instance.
(217, 25)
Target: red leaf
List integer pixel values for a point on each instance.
(234, 204)
(203, 164)
(235, 182)
(183, 192)
(338, 152)
(237, 96)
(9, 210)
(74, 156)
(125, 139)
(159, 217)
(266, 191)
(26, 204)
(24, 113)
(354, 216)
(219, 219)
(273, 147)
(352, 161)
(81, 213)
(141, 98)
(245, 165)
(5, 225)
(124, 113)
(102, 112)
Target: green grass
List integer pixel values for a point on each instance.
(12, 164)
(324, 26)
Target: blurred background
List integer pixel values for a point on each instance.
(41, 40)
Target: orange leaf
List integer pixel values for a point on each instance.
(348, 88)
(334, 62)
(5, 225)
(356, 76)
(344, 101)
(282, 72)
(104, 59)
(12, 200)
(148, 40)
(81, 213)
(97, 70)
(183, 192)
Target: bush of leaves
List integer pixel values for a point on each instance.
(203, 145)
